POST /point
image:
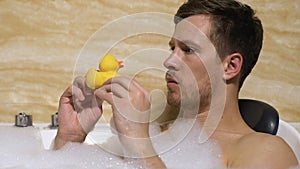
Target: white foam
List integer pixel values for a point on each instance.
(22, 148)
(186, 151)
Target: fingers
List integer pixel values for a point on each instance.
(104, 95)
(80, 90)
(71, 93)
(80, 96)
(80, 83)
(96, 108)
(77, 93)
(113, 89)
(126, 82)
(113, 126)
(65, 97)
(116, 89)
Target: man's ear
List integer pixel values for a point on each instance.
(232, 65)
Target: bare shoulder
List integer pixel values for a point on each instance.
(263, 150)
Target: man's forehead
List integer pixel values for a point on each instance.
(193, 29)
(193, 24)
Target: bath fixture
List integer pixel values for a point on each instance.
(23, 120)
(54, 122)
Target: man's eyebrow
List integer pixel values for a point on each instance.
(188, 43)
(191, 44)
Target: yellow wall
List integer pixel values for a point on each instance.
(40, 42)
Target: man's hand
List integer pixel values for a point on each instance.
(130, 106)
(78, 112)
(131, 114)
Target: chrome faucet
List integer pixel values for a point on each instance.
(54, 122)
(23, 120)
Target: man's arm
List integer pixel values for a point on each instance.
(142, 152)
(153, 163)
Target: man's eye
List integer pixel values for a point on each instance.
(188, 50)
(172, 48)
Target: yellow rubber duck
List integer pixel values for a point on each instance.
(108, 68)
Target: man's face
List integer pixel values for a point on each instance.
(188, 80)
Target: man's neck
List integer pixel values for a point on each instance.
(230, 121)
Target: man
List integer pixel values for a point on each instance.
(237, 36)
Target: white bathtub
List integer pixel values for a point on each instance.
(102, 132)
(290, 135)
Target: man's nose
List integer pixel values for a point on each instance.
(172, 62)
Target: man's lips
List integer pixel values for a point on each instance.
(170, 80)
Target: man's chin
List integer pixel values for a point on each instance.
(175, 102)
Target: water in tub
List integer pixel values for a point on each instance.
(22, 148)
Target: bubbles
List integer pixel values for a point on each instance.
(188, 153)
(18, 146)
(22, 148)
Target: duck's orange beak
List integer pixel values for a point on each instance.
(120, 64)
